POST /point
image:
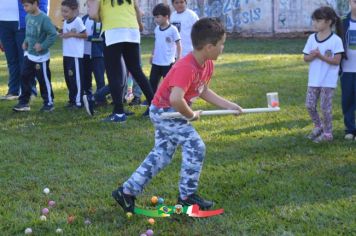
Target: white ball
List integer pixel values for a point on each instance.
(43, 218)
(46, 191)
(28, 231)
(59, 231)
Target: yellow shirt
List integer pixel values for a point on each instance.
(118, 16)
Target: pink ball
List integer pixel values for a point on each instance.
(149, 232)
(45, 211)
(51, 203)
(143, 235)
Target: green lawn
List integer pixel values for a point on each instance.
(260, 167)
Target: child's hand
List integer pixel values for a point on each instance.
(236, 107)
(196, 116)
(37, 47)
(24, 46)
(67, 35)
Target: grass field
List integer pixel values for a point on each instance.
(260, 168)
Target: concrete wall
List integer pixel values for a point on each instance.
(240, 16)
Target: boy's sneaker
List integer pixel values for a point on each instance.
(89, 104)
(47, 108)
(127, 202)
(21, 107)
(195, 199)
(9, 97)
(315, 133)
(349, 137)
(135, 101)
(323, 138)
(146, 113)
(144, 103)
(116, 118)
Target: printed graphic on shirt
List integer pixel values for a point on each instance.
(352, 39)
(328, 53)
(177, 25)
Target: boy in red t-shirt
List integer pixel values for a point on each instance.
(187, 80)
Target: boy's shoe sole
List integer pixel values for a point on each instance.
(22, 109)
(89, 105)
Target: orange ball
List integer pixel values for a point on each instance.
(70, 219)
(151, 221)
(154, 200)
(275, 104)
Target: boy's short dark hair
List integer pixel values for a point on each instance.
(72, 4)
(161, 9)
(206, 31)
(184, 1)
(31, 1)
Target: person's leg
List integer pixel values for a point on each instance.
(78, 78)
(68, 69)
(155, 77)
(132, 60)
(99, 71)
(313, 94)
(112, 59)
(193, 154)
(87, 75)
(43, 75)
(348, 101)
(27, 75)
(326, 98)
(8, 31)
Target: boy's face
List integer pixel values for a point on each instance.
(161, 20)
(213, 51)
(353, 6)
(30, 8)
(321, 24)
(179, 5)
(67, 13)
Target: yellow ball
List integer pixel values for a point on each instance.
(129, 215)
(154, 200)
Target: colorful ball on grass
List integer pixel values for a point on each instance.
(154, 200)
(46, 191)
(87, 222)
(28, 231)
(151, 221)
(160, 200)
(45, 211)
(70, 219)
(275, 104)
(149, 232)
(43, 218)
(143, 234)
(51, 203)
(129, 215)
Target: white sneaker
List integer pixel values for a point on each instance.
(349, 137)
(316, 132)
(9, 97)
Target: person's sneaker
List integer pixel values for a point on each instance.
(21, 107)
(47, 108)
(116, 118)
(195, 199)
(129, 113)
(135, 101)
(144, 103)
(9, 97)
(127, 202)
(323, 138)
(89, 104)
(349, 137)
(315, 133)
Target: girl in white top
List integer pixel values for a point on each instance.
(184, 19)
(323, 51)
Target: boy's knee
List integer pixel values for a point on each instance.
(200, 147)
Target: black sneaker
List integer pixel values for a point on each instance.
(126, 201)
(135, 101)
(89, 104)
(146, 113)
(21, 107)
(47, 108)
(195, 199)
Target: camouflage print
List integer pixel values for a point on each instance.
(325, 95)
(169, 133)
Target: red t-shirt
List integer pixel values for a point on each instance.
(188, 75)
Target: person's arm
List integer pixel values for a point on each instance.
(328, 59)
(139, 15)
(82, 35)
(309, 57)
(179, 50)
(178, 102)
(51, 32)
(211, 97)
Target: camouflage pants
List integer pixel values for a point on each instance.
(169, 134)
(325, 95)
